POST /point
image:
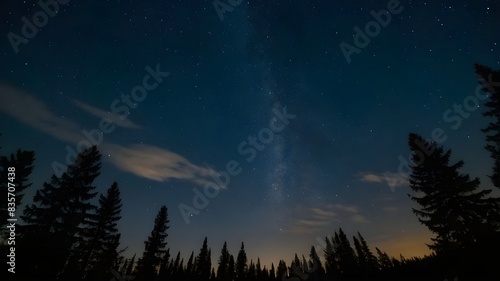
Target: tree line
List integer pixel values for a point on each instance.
(69, 231)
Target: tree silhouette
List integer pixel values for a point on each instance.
(154, 247)
(491, 81)
(98, 251)
(223, 268)
(241, 263)
(58, 216)
(453, 207)
(231, 269)
(315, 267)
(366, 260)
(203, 262)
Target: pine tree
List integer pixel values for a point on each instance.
(346, 256)
(371, 260)
(190, 265)
(251, 271)
(154, 247)
(60, 213)
(331, 266)
(222, 270)
(491, 81)
(272, 272)
(241, 263)
(383, 259)
(315, 268)
(203, 262)
(281, 271)
(231, 269)
(20, 165)
(98, 250)
(452, 206)
(258, 269)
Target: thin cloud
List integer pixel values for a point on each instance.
(117, 119)
(157, 164)
(392, 180)
(35, 113)
(316, 219)
(145, 161)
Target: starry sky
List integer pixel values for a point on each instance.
(329, 130)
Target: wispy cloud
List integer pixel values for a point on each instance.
(35, 113)
(145, 161)
(316, 219)
(392, 180)
(117, 119)
(157, 164)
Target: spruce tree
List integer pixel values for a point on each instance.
(154, 247)
(281, 271)
(190, 265)
(241, 263)
(452, 206)
(251, 275)
(371, 260)
(61, 210)
(231, 269)
(98, 250)
(346, 256)
(330, 259)
(272, 272)
(384, 260)
(203, 262)
(491, 81)
(315, 268)
(223, 269)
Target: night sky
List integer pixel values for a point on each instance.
(327, 134)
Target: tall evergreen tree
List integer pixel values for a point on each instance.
(60, 212)
(491, 81)
(370, 258)
(223, 268)
(154, 247)
(281, 271)
(258, 269)
(231, 269)
(98, 250)
(316, 270)
(190, 265)
(272, 272)
(241, 263)
(251, 275)
(346, 256)
(203, 262)
(452, 206)
(331, 266)
(384, 260)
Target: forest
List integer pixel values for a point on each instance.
(70, 232)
